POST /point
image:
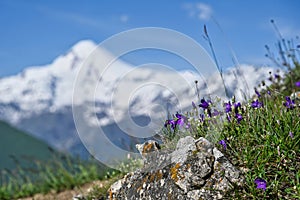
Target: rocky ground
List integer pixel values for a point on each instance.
(195, 170)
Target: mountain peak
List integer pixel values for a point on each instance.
(84, 47)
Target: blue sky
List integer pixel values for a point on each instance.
(35, 32)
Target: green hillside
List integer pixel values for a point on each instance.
(17, 144)
(28, 166)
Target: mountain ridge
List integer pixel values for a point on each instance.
(41, 101)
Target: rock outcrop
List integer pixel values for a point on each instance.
(195, 170)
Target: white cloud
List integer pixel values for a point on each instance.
(204, 11)
(200, 11)
(124, 18)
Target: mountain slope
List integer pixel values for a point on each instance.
(20, 145)
(79, 86)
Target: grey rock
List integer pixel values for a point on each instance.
(154, 158)
(203, 145)
(184, 148)
(194, 170)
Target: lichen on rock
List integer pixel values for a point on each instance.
(194, 170)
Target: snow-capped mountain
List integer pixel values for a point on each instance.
(42, 100)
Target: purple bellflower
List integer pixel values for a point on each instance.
(290, 104)
(256, 104)
(204, 104)
(170, 122)
(180, 119)
(237, 105)
(215, 113)
(223, 143)
(228, 107)
(257, 93)
(239, 117)
(260, 183)
(201, 117)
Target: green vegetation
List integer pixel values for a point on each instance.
(16, 144)
(56, 174)
(261, 137)
(28, 166)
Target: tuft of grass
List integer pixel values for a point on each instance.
(100, 192)
(57, 174)
(260, 136)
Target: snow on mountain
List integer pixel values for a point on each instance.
(40, 99)
(47, 88)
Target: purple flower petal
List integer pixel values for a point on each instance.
(202, 117)
(237, 105)
(260, 183)
(215, 113)
(228, 107)
(223, 143)
(256, 104)
(194, 105)
(170, 122)
(204, 104)
(180, 119)
(239, 117)
(289, 104)
(257, 93)
(228, 118)
(188, 125)
(179, 116)
(297, 84)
